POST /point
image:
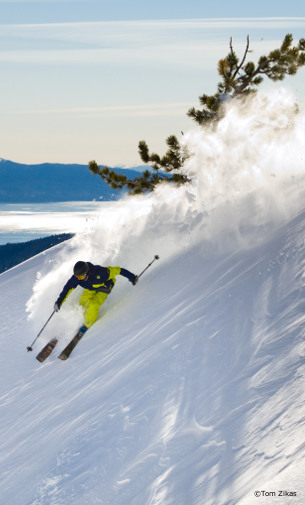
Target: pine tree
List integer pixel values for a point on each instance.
(238, 78)
(242, 78)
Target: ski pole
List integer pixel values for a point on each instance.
(29, 348)
(155, 258)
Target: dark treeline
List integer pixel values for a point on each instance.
(14, 254)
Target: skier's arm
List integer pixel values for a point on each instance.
(113, 271)
(67, 289)
(129, 275)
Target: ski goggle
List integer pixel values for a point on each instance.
(82, 277)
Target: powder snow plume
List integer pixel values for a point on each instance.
(246, 178)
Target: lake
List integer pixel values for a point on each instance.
(23, 222)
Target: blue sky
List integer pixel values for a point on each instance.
(88, 79)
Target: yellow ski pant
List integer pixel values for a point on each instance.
(92, 301)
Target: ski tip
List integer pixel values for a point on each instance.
(62, 356)
(46, 351)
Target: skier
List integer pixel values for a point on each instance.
(97, 282)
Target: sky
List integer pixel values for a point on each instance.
(87, 80)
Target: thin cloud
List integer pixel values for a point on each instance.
(123, 42)
(116, 33)
(156, 56)
(160, 109)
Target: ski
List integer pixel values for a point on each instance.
(69, 348)
(47, 349)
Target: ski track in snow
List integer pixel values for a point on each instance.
(189, 389)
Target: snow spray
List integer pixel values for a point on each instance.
(246, 179)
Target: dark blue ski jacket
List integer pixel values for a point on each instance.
(99, 279)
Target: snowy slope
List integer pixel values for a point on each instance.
(189, 390)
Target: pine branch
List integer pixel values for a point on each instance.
(244, 57)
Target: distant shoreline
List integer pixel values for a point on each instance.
(22, 222)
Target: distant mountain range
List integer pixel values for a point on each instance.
(55, 182)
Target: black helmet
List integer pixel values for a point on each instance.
(81, 268)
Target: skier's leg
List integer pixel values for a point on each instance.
(86, 297)
(93, 306)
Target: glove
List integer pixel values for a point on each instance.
(134, 280)
(56, 307)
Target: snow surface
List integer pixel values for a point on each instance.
(189, 389)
